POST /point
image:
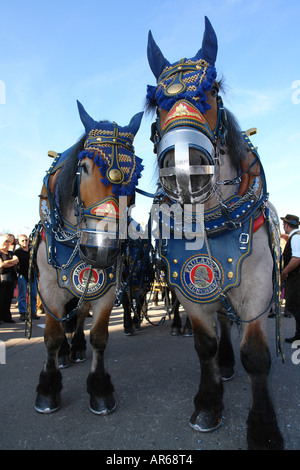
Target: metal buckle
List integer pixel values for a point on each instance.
(244, 240)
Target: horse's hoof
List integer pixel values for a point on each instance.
(129, 331)
(64, 362)
(205, 422)
(227, 373)
(102, 406)
(47, 404)
(187, 332)
(175, 331)
(78, 356)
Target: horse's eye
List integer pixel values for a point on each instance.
(214, 92)
(84, 168)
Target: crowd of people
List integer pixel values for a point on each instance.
(14, 267)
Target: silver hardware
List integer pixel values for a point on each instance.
(176, 174)
(244, 238)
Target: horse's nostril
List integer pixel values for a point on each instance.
(99, 249)
(168, 160)
(196, 157)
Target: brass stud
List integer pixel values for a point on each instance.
(175, 275)
(230, 260)
(115, 175)
(230, 275)
(175, 261)
(175, 88)
(99, 139)
(64, 278)
(111, 276)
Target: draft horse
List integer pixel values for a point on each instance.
(79, 250)
(210, 168)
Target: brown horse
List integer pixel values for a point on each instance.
(206, 162)
(78, 254)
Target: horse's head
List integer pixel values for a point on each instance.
(107, 168)
(190, 120)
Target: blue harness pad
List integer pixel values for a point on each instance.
(73, 276)
(198, 276)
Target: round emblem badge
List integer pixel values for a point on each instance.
(80, 275)
(200, 277)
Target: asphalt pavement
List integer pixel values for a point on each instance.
(155, 375)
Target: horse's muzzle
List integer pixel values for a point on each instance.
(187, 160)
(99, 249)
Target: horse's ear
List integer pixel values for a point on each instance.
(209, 47)
(135, 123)
(156, 59)
(86, 120)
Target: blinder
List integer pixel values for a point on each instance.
(76, 182)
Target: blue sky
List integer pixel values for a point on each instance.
(53, 53)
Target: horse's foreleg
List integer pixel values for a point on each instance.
(50, 382)
(263, 431)
(99, 385)
(78, 342)
(208, 401)
(176, 324)
(225, 353)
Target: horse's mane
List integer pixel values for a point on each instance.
(234, 142)
(67, 175)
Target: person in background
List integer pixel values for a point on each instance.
(12, 247)
(23, 266)
(291, 270)
(12, 242)
(8, 262)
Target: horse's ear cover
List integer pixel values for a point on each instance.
(135, 123)
(86, 120)
(209, 47)
(208, 51)
(199, 70)
(156, 59)
(119, 153)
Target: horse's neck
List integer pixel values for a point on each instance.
(225, 171)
